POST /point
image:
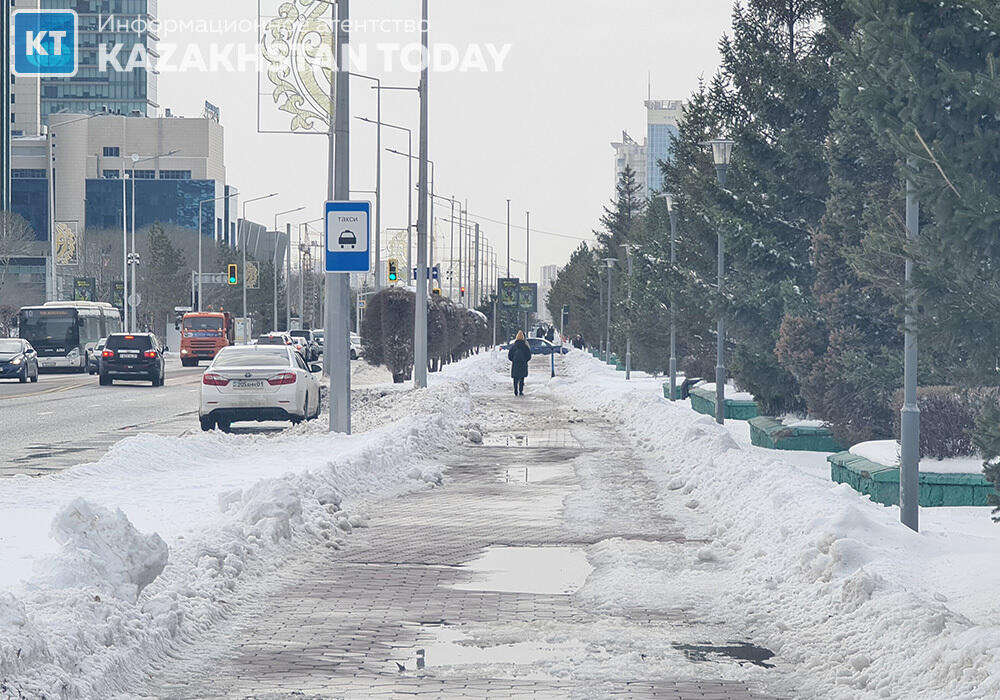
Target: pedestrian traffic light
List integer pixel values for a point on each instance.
(233, 278)
(393, 271)
(436, 292)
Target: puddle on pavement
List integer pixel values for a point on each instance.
(537, 570)
(558, 437)
(535, 474)
(741, 652)
(449, 647)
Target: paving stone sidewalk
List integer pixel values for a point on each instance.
(354, 623)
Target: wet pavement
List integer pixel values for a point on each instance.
(465, 591)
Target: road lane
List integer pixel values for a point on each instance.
(68, 419)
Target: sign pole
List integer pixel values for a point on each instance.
(420, 305)
(338, 289)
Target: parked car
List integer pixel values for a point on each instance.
(94, 356)
(320, 336)
(282, 338)
(540, 346)
(356, 349)
(258, 383)
(308, 341)
(132, 356)
(18, 360)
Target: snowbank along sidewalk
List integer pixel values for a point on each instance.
(854, 604)
(108, 564)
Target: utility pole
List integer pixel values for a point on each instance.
(338, 285)
(527, 248)
(909, 467)
(451, 255)
(420, 315)
(475, 283)
(288, 279)
(508, 238)
(607, 345)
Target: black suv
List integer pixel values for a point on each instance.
(132, 356)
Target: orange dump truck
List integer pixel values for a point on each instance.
(203, 334)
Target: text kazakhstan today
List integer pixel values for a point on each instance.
(237, 57)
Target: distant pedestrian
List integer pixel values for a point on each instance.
(550, 335)
(519, 356)
(539, 332)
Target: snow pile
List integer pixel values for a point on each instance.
(101, 550)
(854, 604)
(732, 394)
(163, 536)
(886, 453)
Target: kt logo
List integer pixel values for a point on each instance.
(45, 43)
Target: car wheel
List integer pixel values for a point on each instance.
(105, 380)
(207, 422)
(34, 377)
(24, 376)
(225, 425)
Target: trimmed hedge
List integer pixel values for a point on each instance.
(947, 418)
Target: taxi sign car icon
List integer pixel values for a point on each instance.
(347, 238)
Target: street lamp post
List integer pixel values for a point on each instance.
(275, 260)
(378, 179)
(409, 186)
(243, 247)
(628, 320)
(200, 234)
(669, 198)
(433, 196)
(508, 238)
(722, 150)
(607, 344)
(909, 466)
(134, 258)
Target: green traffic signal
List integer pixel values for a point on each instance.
(232, 275)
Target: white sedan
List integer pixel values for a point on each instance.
(258, 383)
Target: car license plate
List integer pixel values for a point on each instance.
(248, 384)
(128, 355)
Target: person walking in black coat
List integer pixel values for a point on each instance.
(519, 356)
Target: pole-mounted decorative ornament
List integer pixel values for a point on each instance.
(297, 52)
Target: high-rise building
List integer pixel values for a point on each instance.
(663, 118)
(91, 156)
(90, 91)
(629, 153)
(549, 275)
(25, 93)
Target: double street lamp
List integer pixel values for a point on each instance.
(669, 199)
(722, 150)
(243, 246)
(607, 341)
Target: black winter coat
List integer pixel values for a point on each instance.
(519, 356)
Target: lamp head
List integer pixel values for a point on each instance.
(722, 150)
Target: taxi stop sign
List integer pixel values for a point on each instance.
(348, 236)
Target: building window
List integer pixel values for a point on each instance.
(28, 173)
(112, 152)
(141, 174)
(112, 175)
(175, 174)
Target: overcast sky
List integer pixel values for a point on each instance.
(537, 132)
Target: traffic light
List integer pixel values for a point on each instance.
(393, 271)
(232, 277)
(436, 292)
(463, 293)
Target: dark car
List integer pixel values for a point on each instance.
(132, 356)
(309, 343)
(540, 346)
(94, 357)
(18, 360)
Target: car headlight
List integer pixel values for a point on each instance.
(74, 353)
(17, 360)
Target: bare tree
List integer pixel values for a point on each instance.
(16, 239)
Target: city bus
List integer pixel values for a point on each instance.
(62, 332)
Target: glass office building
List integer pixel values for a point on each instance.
(130, 93)
(169, 202)
(662, 119)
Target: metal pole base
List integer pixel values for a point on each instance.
(909, 467)
(720, 395)
(673, 378)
